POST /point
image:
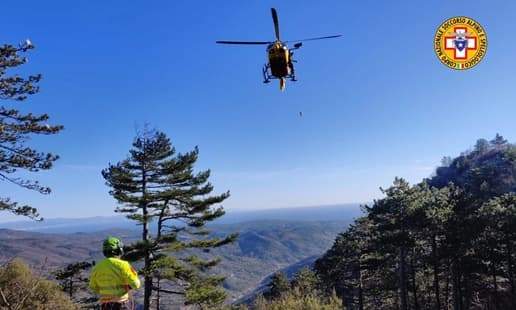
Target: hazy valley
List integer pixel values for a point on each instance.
(268, 241)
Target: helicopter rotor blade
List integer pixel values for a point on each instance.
(276, 23)
(244, 42)
(318, 38)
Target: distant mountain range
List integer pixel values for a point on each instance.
(269, 240)
(94, 224)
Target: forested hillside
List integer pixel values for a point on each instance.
(446, 243)
(263, 248)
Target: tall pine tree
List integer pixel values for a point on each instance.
(16, 128)
(156, 184)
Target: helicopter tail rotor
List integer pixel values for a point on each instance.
(276, 23)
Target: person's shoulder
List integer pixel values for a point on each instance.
(124, 265)
(119, 262)
(100, 264)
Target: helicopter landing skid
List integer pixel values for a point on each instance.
(267, 77)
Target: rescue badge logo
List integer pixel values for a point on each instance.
(460, 43)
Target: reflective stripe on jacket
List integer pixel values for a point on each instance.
(112, 278)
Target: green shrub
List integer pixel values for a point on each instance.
(295, 300)
(20, 289)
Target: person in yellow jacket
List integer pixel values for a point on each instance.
(113, 278)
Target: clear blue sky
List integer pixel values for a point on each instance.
(377, 103)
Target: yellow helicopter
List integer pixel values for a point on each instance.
(281, 63)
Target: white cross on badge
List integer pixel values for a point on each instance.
(461, 43)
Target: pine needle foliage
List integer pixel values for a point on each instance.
(17, 128)
(155, 184)
(446, 243)
(73, 279)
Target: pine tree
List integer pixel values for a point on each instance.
(438, 209)
(156, 184)
(278, 285)
(16, 128)
(305, 281)
(481, 146)
(498, 241)
(445, 247)
(73, 279)
(498, 141)
(343, 268)
(392, 215)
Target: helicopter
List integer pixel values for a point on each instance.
(280, 58)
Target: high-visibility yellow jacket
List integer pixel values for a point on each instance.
(112, 278)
